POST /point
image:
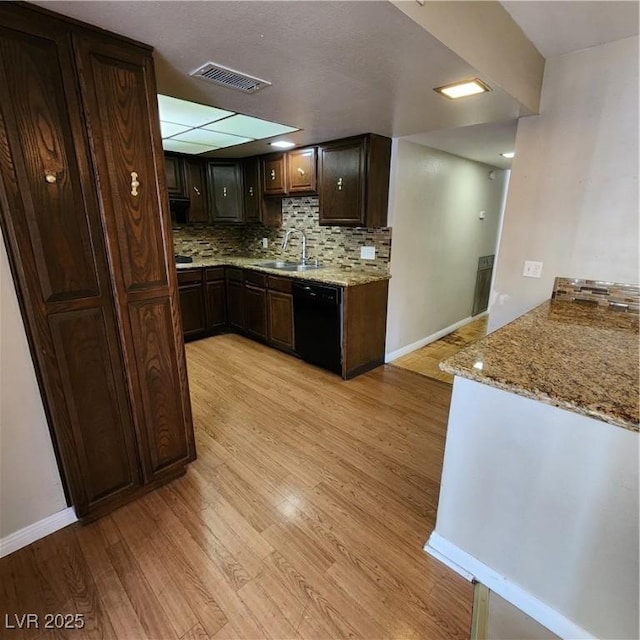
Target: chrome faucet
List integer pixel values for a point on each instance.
(303, 258)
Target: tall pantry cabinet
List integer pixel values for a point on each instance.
(86, 224)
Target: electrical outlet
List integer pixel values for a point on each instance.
(367, 253)
(532, 269)
(265, 243)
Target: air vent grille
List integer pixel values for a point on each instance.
(229, 78)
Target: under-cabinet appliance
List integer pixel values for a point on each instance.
(317, 312)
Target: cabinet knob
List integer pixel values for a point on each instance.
(301, 171)
(339, 184)
(134, 183)
(250, 191)
(197, 191)
(50, 177)
(273, 174)
(224, 192)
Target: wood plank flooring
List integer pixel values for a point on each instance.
(303, 517)
(426, 360)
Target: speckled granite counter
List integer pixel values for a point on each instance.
(580, 358)
(327, 275)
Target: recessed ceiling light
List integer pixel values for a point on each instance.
(462, 89)
(282, 144)
(508, 154)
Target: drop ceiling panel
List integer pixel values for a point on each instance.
(185, 147)
(210, 138)
(248, 126)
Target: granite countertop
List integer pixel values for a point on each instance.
(580, 358)
(328, 275)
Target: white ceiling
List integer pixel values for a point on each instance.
(560, 27)
(341, 68)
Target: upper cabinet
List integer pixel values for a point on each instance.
(354, 181)
(225, 190)
(274, 176)
(291, 173)
(251, 189)
(301, 171)
(197, 191)
(174, 166)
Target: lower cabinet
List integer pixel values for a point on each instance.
(192, 309)
(203, 301)
(235, 297)
(280, 313)
(255, 304)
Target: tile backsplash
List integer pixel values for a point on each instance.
(335, 246)
(624, 297)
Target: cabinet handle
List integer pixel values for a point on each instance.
(224, 192)
(250, 191)
(273, 174)
(134, 183)
(339, 184)
(301, 171)
(51, 177)
(196, 190)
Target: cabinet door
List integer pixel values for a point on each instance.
(235, 304)
(119, 96)
(225, 191)
(216, 301)
(342, 183)
(196, 190)
(274, 175)
(175, 174)
(52, 230)
(192, 310)
(255, 311)
(301, 170)
(252, 192)
(280, 311)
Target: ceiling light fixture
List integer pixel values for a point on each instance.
(463, 89)
(508, 154)
(283, 144)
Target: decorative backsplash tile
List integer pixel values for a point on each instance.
(335, 246)
(623, 297)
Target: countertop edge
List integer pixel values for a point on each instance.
(541, 397)
(350, 279)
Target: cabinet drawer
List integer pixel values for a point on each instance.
(214, 273)
(277, 283)
(234, 274)
(255, 278)
(189, 275)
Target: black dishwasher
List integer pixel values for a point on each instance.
(317, 312)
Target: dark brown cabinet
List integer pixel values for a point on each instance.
(225, 190)
(255, 304)
(192, 303)
(251, 190)
(301, 171)
(280, 313)
(353, 181)
(81, 167)
(196, 191)
(175, 175)
(274, 176)
(235, 299)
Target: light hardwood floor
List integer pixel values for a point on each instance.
(426, 360)
(303, 517)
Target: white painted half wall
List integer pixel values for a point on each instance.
(573, 193)
(438, 236)
(30, 485)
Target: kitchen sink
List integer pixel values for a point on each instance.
(283, 265)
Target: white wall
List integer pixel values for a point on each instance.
(435, 202)
(573, 194)
(548, 499)
(30, 486)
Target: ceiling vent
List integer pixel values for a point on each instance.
(229, 78)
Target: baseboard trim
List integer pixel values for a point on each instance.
(37, 530)
(423, 342)
(466, 565)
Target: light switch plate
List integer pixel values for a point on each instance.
(265, 243)
(532, 269)
(367, 253)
